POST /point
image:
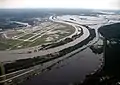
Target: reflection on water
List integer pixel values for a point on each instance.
(109, 73)
(97, 48)
(112, 59)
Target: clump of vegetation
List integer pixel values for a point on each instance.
(110, 31)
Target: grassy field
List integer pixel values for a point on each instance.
(38, 41)
(58, 33)
(35, 37)
(26, 36)
(8, 43)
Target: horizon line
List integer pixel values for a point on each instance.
(62, 8)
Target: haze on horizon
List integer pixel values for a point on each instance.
(90, 4)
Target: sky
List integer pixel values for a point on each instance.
(91, 4)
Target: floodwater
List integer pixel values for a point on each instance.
(71, 70)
